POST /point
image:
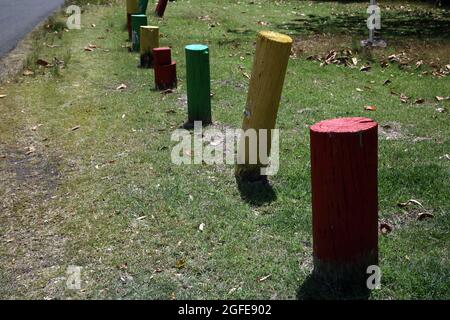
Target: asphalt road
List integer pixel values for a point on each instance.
(19, 17)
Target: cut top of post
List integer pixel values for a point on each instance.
(344, 125)
(196, 47)
(275, 36)
(150, 27)
(139, 15)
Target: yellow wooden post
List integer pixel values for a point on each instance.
(149, 41)
(133, 6)
(264, 94)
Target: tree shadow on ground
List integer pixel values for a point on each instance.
(417, 23)
(316, 288)
(257, 192)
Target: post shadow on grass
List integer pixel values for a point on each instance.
(256, 192)
(327, 286)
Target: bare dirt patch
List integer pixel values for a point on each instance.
(390, 131)
(31, 244)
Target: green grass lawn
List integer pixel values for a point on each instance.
(87, 180)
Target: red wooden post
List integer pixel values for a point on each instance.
(166, 76)
(161, 7)
(344, 160)
(162, 56)
(165, 69)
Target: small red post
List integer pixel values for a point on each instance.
(165, 69)
(344, 161)
(166, 76)
(162, 56)
(161, 8)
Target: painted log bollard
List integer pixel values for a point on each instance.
(263, 99)
(198, 84)
(132, 8)
(137, 20)
(143, 4)
(161, 8)
(149, 41)
(344, 156)
(165, 69)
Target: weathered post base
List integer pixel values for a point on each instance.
(166, 76)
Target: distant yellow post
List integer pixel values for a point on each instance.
(133, 6)
(149, 41)
(263, 99)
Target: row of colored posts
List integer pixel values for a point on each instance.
(343, 151)
(140, 7)
(145, 39)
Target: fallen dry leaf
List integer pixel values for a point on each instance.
(123, 86)
(167, 91)
(424, 215)
(180, 264)
(34, 128)
(88, 49)
(30, 150)
(43, 63)
(410, 201)
(385, 228)
(441, 98)
(359, 90)
(264, 278)
(403, 98)
(370, 108)
(365, 68)
(28, 73)
(419, 63)
(419, 101)
(2, 96)
(232, 290)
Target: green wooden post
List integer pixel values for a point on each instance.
(137, 20)
(198, 83)
(143, 6)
